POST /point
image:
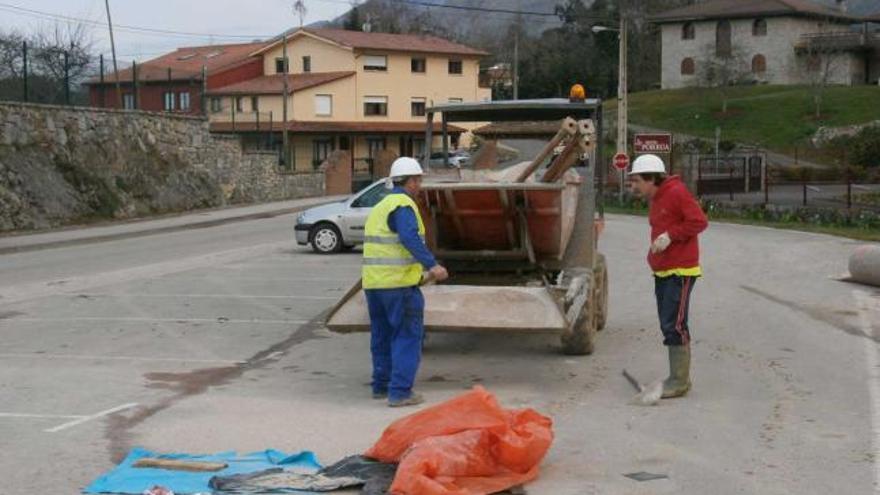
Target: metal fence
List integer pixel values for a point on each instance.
(43, 75)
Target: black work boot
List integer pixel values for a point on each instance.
(679, 381)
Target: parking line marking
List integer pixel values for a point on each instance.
(158, 320)
(212, 296)
(41, 416)
(35, 355)
(85, 419)
(863, 306)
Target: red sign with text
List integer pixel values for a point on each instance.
(653, 143)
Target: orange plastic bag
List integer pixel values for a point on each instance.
(468, 445)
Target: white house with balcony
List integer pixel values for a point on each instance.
(768, 42)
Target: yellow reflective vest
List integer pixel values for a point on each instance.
(387, 263)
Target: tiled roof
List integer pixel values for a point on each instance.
(390, 42)
(274, 84)
(331, 127)
(718, 9)
(186, 63)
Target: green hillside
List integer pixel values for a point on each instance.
(775, 117)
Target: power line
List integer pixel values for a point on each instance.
(15, 9)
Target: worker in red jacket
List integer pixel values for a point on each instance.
(676, 220)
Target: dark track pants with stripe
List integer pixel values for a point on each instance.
(673, 302)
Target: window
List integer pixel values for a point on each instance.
(169, 101)
(128, 101)
(376, 63)
(216, 104)
(455, 100)
(418, 107)
(255, 104)
(419, 65)
(759, 64)
(323, 105)
(280, 63)
(688, 67)
(455, 66)
(371, 197)
(723, 40)
(307, 63)
(375, 145)
(239, 104)
(376, 105)
(688, 32)
(759, 28)
(418, 148)
(184, 101)
(321, 149)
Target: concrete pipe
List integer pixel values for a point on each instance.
(864, 265)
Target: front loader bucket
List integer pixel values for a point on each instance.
(460, 308)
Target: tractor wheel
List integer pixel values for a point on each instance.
(579, 341)
(600, 295)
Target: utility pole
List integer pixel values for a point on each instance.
(622, 99)
(24, 70)
(516, 64)
(113, 51)
(66, 78)
(285, 154)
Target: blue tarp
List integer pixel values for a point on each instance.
(131, 480)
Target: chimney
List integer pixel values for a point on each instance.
(841, 5)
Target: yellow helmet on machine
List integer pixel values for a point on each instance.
(577, 93)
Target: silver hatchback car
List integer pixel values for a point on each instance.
(337, 226)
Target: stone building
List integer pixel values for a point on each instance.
(767, 41)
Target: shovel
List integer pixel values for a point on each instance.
(647, 396)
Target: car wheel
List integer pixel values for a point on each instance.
(326, 239)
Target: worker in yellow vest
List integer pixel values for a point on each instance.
(395, 256)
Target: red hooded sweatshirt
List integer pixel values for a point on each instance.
(675, 211)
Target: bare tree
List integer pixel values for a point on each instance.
(723, 71)
(50, 46)
(299, 6)
(57, 54)
(818, 59)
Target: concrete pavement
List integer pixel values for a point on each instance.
(211, 339)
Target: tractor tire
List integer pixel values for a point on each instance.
(600, 294)
(580, 341)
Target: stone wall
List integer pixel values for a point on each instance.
(62, 165)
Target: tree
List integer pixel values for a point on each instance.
(46, 62)
(818, 60)
(299, 6)
(353, 20)
(723, 71)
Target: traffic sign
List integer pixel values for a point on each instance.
(621, 161)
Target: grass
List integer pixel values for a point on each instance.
(849, 232)
(774, 117)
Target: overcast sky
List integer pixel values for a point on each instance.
(222, 18)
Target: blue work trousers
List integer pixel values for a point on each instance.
(397, 328)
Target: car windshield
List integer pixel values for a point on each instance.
(371, 196)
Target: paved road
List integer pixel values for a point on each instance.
(211, 339)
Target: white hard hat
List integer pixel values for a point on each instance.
(405, 167)
(648, 164)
